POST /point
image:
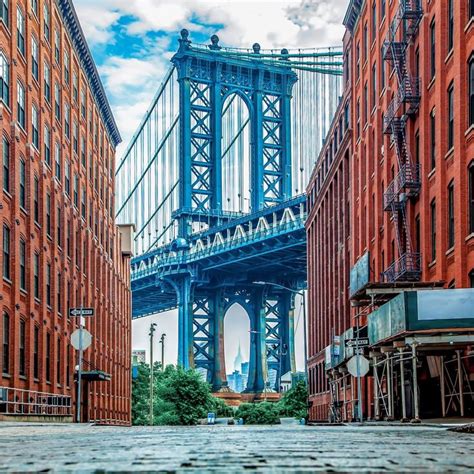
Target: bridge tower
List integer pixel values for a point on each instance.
(207, 78)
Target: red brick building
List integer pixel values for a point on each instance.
(328, 250)
(411, 193)
(60, 246)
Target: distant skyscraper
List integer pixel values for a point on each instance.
(238, 359)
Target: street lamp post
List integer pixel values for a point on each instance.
(162, 342)
(152, 330)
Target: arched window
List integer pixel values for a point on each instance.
(4, 80)
(471, 278)
(4, 9)
(6, 252)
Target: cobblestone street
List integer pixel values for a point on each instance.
(234, 448)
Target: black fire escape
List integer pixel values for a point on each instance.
(406, 184)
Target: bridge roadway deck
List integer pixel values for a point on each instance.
(252, 247)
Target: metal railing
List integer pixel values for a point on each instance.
(406, 268)
(14, 401)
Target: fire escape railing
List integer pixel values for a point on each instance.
(407, 183)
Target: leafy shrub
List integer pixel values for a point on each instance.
(294, 403)
(220, 408)
(263, 413)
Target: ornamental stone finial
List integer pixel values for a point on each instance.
(184, 42)
(284, 53)
(214, 43)
(256, 48)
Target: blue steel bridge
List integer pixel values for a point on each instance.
(214, 181)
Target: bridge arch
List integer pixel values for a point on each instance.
(236, 158)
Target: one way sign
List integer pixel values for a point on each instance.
(85, 312)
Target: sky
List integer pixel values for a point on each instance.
(132, 42)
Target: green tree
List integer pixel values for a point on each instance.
(181, 397)
(295, 402)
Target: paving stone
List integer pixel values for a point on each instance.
(221, 448)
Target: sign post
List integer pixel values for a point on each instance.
(80, 339)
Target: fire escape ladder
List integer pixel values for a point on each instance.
(406, 184)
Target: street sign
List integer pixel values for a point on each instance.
(77, 341)
(363, 342)
(86, 312)
(358, 368)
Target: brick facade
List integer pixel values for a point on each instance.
(328, 250)
(64, 248)
(444, 239)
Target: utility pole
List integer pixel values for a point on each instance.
(162, 342)
(152, 330)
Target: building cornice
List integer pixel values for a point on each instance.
(71, 21)
(352, 14)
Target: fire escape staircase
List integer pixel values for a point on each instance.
(405, 104)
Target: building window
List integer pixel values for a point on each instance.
(83, 103)
(48, 357)
(433, 139)
(36, 275)
(451, 116)
(471, 91)
(68, 365)
(47, 145)
(471, 278)
(433, 49)
(6, 252)
(22, 348)
(58, 226)
(48, 284)
(4, 80)
(76, 190)
(36, 352)
(20, 31)
(417, 234)
(450, 24)
(46, 22)
(83, 204)
(365, 41)
(22, 265)
(433, 230)
(451, 215)
(36, 199)
(22, 194)
(66, 68)
(34, 6)
(57, 160)
(48, 214)
(58, 294)
(4, 8)
(57, 47)
(83, 152)
(75, 139)
(74, 87)
(374, 85)
(47, 82)
(67, 177)
(471, 197)
(382, 9)
(20, 102)
(35, 127)
(374, 20)
(471, 8)
(67, 122)
(57, 102)
(6, 344)
(58, 363)
(366, 105)
(6, 165)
